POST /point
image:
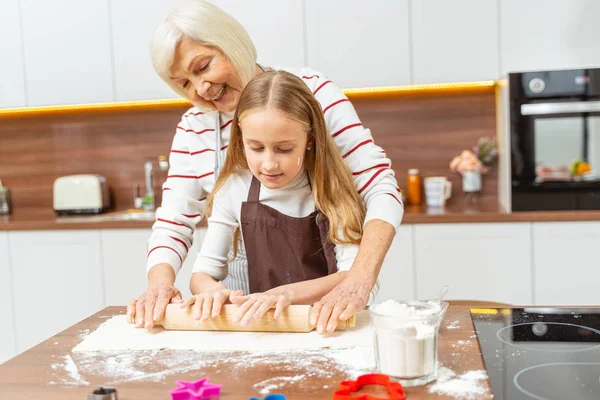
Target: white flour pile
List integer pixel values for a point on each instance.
(405, 339)
(468, 386)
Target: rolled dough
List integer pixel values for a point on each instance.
(117, 334)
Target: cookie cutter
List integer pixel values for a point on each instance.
(103, 393)
(394, 389)
(274, 396)
(197, 390)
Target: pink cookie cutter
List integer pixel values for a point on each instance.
(198, 390)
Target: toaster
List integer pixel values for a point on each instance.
(81, 194)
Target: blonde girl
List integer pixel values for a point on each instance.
(286, 188)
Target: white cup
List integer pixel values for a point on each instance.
(438, 189)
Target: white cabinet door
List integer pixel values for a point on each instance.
(454, 41)
(67, 51)
(358, 43)
(124, 257)
(12, 82)
(276, 27)
(57, 281)
(133, 23)
(548, 34)
(8, 344)
(566, 267)
(396, 277)
(490, 262)
(124, 260)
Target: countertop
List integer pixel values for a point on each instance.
(51, 371)
(459, 212)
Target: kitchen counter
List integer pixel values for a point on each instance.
(50, 371)
(458, 212)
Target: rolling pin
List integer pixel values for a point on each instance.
(295, 318)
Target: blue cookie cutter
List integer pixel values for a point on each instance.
(270, 397)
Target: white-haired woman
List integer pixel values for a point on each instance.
(206, 56)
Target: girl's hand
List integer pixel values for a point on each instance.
(208, 304)
(254, 306)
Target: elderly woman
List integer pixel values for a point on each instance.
(207, 57)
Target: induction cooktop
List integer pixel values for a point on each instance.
(541, 353)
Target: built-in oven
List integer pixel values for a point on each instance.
(552, 143)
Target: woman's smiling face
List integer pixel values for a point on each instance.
(206, 76)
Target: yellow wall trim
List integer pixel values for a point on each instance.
(435, 88)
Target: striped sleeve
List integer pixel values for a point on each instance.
(371, 169)
(182, 205)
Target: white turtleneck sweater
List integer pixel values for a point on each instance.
(295, 199)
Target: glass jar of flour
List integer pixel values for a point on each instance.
(406, 339)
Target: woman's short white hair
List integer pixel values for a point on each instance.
(208, 25)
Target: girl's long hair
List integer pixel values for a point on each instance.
(332, 184)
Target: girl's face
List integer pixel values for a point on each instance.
(206, 76)
(275, 146)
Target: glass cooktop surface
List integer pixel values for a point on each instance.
(541, 353)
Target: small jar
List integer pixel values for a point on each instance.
(4, 201)
(414, 193)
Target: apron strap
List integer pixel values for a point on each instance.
(254, 192)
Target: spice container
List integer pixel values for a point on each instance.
(4, 200)
(414, 193)
(406, 339)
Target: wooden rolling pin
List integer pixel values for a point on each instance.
(295, 318)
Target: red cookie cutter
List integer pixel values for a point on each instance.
(198, 390)
(394, 389)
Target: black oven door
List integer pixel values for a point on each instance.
(546, 139)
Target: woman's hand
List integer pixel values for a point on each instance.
(345, 300)
(152, 304)
(254, 306)
(208, 304)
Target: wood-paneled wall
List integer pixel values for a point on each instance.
(417, 131)
(427, 131)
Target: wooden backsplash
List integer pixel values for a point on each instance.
(417, 131)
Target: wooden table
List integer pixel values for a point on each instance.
(45, 372)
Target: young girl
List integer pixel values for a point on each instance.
(285, 185)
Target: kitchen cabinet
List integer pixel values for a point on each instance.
(454, 41)
(396, 277)
(276, 27)
(57, 281)
(12, 81)
(8, 349)
(135, 78)
(360, 43)
(482, 261)
(67, 54)
(565, 263)
(124, 259)
(277, 43)
(548, 34)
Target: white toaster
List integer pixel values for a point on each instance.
(81, 194)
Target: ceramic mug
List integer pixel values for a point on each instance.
(438, 189)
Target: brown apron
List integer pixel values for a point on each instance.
(283, 249)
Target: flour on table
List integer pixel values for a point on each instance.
(468, 386)
(453, 325)
(118, 334)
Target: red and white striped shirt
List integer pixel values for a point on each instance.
(192, 161)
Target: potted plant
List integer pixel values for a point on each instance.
(471, 164)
